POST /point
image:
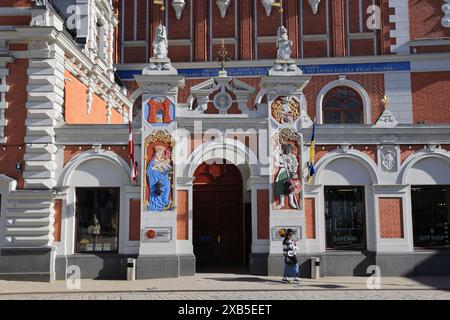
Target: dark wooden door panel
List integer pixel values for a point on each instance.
(218, 225)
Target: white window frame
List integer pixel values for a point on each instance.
(342, 82)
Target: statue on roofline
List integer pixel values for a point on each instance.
(160, 61)
(161, 44)
(284, 63)
(284, 45)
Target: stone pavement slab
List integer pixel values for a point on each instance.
(244, 296)
(218, 282)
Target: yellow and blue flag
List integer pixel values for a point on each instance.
(312, 153)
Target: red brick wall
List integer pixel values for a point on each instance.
(72, 151)
(391, 218)
(310, 218)
(405, 151)
(182, 215)
(372, 83)
(58, 221)
(15, 115)
(266, 26)
(16, 3)
(246, 30)
(134, 232)
(263, 214)
(431, 84)
(431, 49)
(338, 28)
(425, 19)
(18, 46)
(369, 150)
(128, 16)
(14, 21)
(200, 24)
(386, 27)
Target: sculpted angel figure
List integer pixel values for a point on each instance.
(284, 45)
(160, 45)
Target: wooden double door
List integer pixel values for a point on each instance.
(218, 216)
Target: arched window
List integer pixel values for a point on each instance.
(160, 116)
(342, 105)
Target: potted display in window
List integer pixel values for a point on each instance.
(94, 228)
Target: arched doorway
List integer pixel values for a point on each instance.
(219, 225)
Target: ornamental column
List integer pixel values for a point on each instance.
(159, 83)
(287, 116)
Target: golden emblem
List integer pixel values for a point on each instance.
(286, 110)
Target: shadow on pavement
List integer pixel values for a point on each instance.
(245, 279)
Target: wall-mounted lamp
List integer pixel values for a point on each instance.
(19, 166)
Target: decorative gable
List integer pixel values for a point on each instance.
(220, 93)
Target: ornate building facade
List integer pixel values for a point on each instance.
(331, 118)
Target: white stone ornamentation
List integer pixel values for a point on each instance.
(222, 101)
(314, 5)
(178, 7)
(161, 44)
(268, 4)
(284, 63)
(386, 120)
(446, 19)
(223, 7)
(160, 63)
(40, 3)
(228, 90)
(388, 159)
(89, 99)
(284, 45)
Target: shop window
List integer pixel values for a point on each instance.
(97, 219)
(342, 105)
(431, 215)
(345, 218)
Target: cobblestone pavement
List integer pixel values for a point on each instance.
(246, 295)
(231, 287)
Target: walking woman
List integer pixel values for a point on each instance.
(290, 248)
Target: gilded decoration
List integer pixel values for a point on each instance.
(285, 111)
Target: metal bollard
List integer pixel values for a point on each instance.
(131, 269)
(315, 268)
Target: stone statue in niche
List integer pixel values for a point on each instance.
(284, 45)
(161, 44)
(287, 182)
(159, 170)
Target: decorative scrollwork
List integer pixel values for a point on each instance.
(161, 136)
(287, 134)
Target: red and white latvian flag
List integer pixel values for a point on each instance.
(134, 170)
